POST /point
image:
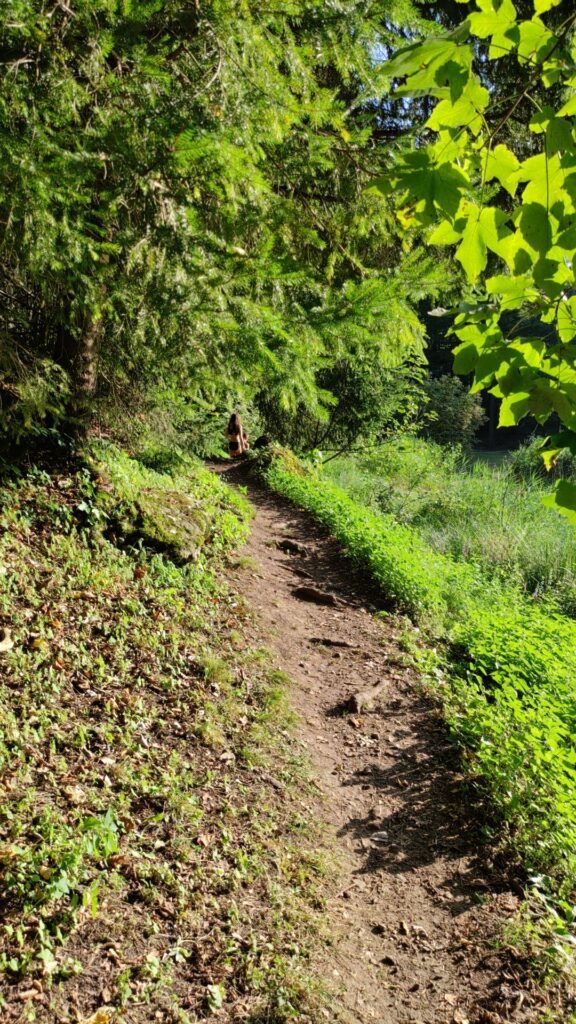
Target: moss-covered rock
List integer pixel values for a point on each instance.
(174, 521)
(178, 513)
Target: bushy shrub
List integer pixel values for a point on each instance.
(34, 397)
(356, 401)
(527, 463)
(454, 416)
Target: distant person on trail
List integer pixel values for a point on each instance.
(237, 437)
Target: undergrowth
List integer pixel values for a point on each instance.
(472, 511)
(149, 868)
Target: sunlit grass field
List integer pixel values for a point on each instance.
(472, 510)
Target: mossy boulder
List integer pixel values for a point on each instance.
(173, 521)
(177, 513)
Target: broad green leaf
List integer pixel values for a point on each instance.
(566, 320)
(492, 226)
(491, 362)
(427, 56)
(513, 408)
(465, 357)
(535, 40)
(563, 500)
(559, 136)
(532, 350)
(547, 277)
(515, 291)
(539, 121)
(494, 20)
(504, 21)
(569, 108)
(541, 6)
(451, 115)
(471, 252)
(546, 178)
(533, 224)
(542, 401)
(558, 130)
(445, 234)
(426, 188)
(501, 163)
(482, 24)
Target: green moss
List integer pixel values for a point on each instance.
(174, 521)
(179, 513)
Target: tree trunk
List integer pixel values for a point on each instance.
(80, 359)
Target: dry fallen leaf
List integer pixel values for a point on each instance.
(30, 994)
(75, 793)
(102, 1016)
(6, 643)
(9, 852)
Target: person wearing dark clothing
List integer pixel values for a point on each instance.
(237, 437)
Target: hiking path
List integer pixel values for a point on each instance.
(418, 901)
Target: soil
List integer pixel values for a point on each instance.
(420, 899)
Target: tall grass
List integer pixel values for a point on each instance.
(473, 511)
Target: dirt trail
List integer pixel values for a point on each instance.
(418, 898)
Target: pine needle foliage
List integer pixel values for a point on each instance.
(183, 198)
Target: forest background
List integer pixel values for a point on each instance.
(200, 210)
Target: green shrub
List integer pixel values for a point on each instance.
(454, 416)
(527, 464)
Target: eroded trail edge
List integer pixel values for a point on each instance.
(418, 904)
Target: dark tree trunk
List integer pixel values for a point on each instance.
(79, 356)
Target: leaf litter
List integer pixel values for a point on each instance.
(142, 876)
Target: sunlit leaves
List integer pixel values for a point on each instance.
(541, 6)
(535, 239)
(194, 180)
(501, 163)
(563, 500)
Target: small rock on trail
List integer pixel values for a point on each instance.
(315, 595)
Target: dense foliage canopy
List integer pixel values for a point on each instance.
(207, 204)
(184, 206)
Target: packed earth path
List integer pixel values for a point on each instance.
(418, 903)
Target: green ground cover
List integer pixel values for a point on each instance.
(505, 674)
(473, 511)
(141, 870)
